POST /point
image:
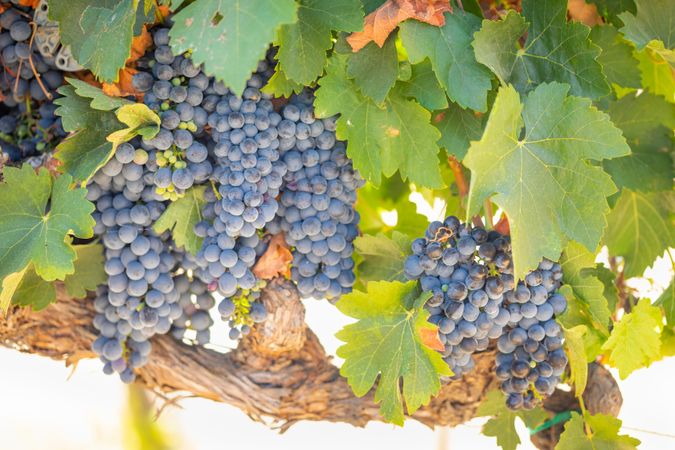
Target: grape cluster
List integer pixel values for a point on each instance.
(183, 96)
(475, 299)
(531, 360)
(140, 298)
(27, 73)
(26, 131)
(317, 203)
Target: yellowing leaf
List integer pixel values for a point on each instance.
(635, 340)
(605, 434)
(576, 352)
(8, 288)
(139, 119)
(386, 341)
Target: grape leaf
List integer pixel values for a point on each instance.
(617, 60)
(647, 121)
(458, 126)
(605, 434)
(99, 100)
(635, 340)
(375, 69)
(303, 44)
(667, 302)
(181, 216)
(535, 158)
(502, 420)
(229, 37)
(276, 261)
(610, 9)
(653, 22)
(640, 229)
(657, 74)
(381, 22)
(381, 138)
(31, 233)
(449, 49)
(35, 292)
(578, 360)
(608, 278)
(99, 32)
(555, 50)
(387, 341)
(423, 87)
(588, 292)
(140, 121)
(280, 86)
(382, 257)
(84, 152)
(8, 288)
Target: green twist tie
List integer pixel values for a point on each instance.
(555, 420)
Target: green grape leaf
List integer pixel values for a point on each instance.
(458, 127)
(610, 9)
(535, 158)
(84, 152)
(35, 292)
(502, 420)
(181, 216)
(608, 278)
(657, 74)
(423, 86)
(653, 22)
(647, 121)
(555, 50)
(229, 37)
(667, 302)
(617, 60)
(382, 256)
(641, 229)
(635, 340)
(32, 233)
(381, 138)
(578, 360)
(605, 434)
(140, 121)
(373, 202)
(303, 44)
(280, 86)
(375, 69)
(99, 100)
(389, 340)
(99, 32)
(448, 48)
(588, 291)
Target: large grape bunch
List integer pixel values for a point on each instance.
(26, 73)
(140, 298)
(183, 96)
(475, 299)
(317, 203)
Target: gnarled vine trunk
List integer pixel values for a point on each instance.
(280, 374)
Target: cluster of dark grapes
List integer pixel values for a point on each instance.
(28, 125)
(475, 299)
(183, 96)
(317, 211)
(195, 302)
(27, 73)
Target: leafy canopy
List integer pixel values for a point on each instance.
(555, 50)
(388, 340)
(535, 158)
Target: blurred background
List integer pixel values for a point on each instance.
(45, 405)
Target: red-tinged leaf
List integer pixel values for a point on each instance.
(381, 22)
(275, 261)
(430, 338)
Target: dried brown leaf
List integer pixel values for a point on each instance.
(275, 261)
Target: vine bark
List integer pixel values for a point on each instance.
(279, 375)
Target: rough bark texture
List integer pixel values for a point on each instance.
(279, 375)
